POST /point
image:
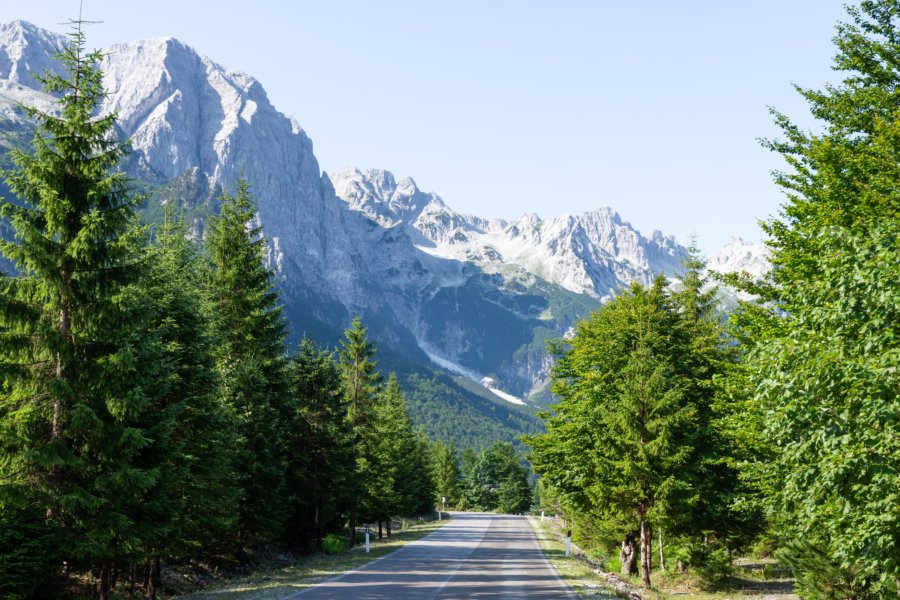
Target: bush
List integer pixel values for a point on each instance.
(334, 543)
(712, 564)
(819, 576)
(613, 565)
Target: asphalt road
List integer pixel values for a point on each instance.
(476, 555)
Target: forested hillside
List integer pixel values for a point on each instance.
(150, 412)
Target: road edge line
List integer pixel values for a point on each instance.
(572, 593)
(364, 565)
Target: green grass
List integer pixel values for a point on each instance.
(580, 576)
(278, 583)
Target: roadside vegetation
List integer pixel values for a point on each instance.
(684, 438)
(283, 578)
(153, 422)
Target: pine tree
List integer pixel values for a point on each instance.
(361, 384)
(321, 459)
(197, 471)
(250, 330)
(401, 452)
(721, 503)
(83, 373)
(383, 448)
(446, 473)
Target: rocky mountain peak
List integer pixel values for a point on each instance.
(430, 281)
(26, 51)
(738, 256)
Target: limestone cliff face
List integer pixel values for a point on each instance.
(476, 296)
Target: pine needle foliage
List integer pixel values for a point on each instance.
(82, 369)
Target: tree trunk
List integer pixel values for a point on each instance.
(104, 581)
(154, 577)
(627, 556)
(132, 579)
(662, 556)
(352, 536)
(379, 528)
(645, 552)
(147, 583)
(388, 525)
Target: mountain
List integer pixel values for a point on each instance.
(460, 306)
(592, 253)
(739, 256)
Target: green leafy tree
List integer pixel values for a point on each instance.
(495, 474)
(620, 438)
(822, 341)
(250, 329)
(84, 374)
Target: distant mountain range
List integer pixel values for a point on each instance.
(460, 306)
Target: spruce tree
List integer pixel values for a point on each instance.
(446, 473)
(321, 461)
(361, 384)
(83, 374)
(720, 501)
(197, 471)
(249, 330)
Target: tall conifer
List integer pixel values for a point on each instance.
(321, 464)
(82, 373)
(250, 330)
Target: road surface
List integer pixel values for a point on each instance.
(476, 555)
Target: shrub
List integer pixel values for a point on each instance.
(712, 564)
(334, 543)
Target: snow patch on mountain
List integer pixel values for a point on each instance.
(491, 385)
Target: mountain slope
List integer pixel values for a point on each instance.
(451, 298)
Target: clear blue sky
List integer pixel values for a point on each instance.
(652, 107)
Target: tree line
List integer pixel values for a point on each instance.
(149, 411)
(777, 427)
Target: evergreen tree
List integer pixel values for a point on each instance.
(446, 473)
(621, 436)
(361, 384)
(384, 448)
(250, 330)
(720, 500)
(83, 374)
(406, 452)
(201, 499)
(423, 470)
(321, 460)
(822, 363)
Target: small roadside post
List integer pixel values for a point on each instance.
(568, 543)
(542, 515)
(444, 503)
(367, 540)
